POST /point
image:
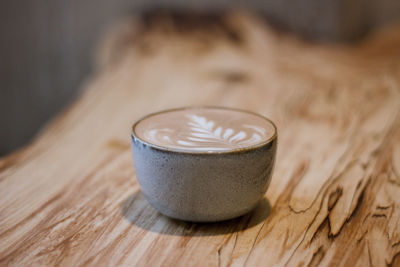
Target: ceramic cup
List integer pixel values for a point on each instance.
(203, 186)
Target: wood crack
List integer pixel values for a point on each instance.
(391, 262)
(304, 235)
(334, 197)
(253, 244)
(369, 255)
(234, 246)
(317, 257)
(325, 186)
(379, 215)
(396, 244)
(352, 214)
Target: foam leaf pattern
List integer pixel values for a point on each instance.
(204, 135)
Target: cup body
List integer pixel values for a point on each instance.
(203, 187)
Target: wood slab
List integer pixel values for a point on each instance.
(71, 197)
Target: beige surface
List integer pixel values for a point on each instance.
(71, 197)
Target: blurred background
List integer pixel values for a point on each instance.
(47, 47)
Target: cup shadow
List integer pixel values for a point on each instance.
(137, 211)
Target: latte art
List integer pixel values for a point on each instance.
(205, 129)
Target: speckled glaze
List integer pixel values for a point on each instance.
(203, 187)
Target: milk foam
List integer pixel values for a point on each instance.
(204, 129)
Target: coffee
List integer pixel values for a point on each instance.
(205, 129)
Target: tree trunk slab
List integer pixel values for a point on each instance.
(71, 197)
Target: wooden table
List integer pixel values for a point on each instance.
(71, 197)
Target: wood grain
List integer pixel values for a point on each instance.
(71, 197)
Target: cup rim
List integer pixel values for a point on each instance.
(202, 152)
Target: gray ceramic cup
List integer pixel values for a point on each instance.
(203, 186)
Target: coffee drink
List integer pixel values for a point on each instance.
(205, 129)
(204, 164)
